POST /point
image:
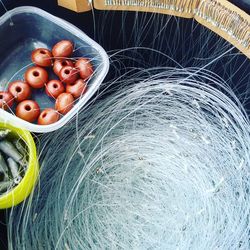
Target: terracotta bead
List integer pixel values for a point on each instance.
(54, 88)
(36, 77)
(28, 110)
(85, 68)
(59, 64)
(68, 74)
(48, 116)
(63, 48)
(42, 57)
(77, 89)
(6, 100)
(20, 90)
(64, 103)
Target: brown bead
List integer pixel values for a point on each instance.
(42, 57)
(20, 90)
(64, 103)
(36, 77)
(68, 74)
(54, 88)
(28, 110)
(77, 89)
(59, 64)
(85, 68)
(48, 116)
(63, 48)
(6, 100)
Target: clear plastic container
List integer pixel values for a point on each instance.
(26, 28)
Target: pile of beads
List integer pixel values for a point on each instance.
(70, 85)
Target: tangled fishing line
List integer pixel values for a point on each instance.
(162, 164)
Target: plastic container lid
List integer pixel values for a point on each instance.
(29, 28)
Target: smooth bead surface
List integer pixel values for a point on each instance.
(20, 90)
(54, 88)
(77, 89)
(48, 116)
(6, 100)
(28, 110)
(59, 64)
(68, 74)
(85, 68)
(63, 48)
(42, 57)
(36, 77)
(64, 103)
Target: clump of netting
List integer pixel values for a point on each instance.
(162, 164)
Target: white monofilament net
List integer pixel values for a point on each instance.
(163, 164)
